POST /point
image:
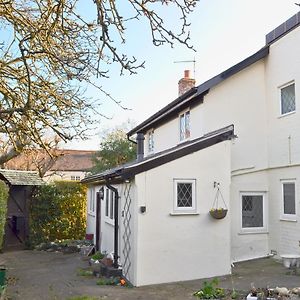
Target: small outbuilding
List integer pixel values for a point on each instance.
(21, 184)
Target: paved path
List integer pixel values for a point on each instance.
(35, 275)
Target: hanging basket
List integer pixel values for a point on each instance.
(218, 213)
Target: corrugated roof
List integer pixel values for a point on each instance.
(15, 177)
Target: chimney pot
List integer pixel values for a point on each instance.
(185, 83)
(186, 73)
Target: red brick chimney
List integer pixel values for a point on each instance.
(185, 83)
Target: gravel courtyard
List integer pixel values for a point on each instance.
(43, 275)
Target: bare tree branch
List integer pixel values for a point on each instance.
(49, 49)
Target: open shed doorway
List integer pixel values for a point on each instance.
(21, 184)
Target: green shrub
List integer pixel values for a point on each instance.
(210, 290)
(97, 256)
(58, 212)
(3, 209)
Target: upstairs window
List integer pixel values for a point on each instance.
(151, 141)
(289, 200)
(184, 126)
(287, 99)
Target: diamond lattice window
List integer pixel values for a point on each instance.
(288, 103)
(252, 211)
(184, 195)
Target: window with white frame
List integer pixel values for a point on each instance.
(288, 199)
(184, 126)
(109, 204)
(76, 178)
(287, 99)
(184, 195)
(91, 205)
(151, 141)
(253, 211)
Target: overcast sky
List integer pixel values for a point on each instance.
(222, 32)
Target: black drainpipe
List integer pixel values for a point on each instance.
(130, 140)
(116, 217)
(140, 146)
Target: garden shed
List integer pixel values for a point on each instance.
(21, 184)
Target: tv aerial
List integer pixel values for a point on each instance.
(188, 61)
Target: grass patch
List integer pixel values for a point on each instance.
(108, 281)
(85, 272)
(113, 281)
(85, 298)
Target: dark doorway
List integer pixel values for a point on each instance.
(98, 222)
(17, 222)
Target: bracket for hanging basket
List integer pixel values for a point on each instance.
(218, 212)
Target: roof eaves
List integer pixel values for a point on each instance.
(283, 29)
(200, 91)
(128, 170)
(263, 52)
(168, 108)
(169, 155)
(104, 176)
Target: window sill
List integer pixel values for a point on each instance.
(109, 221)
(184, 214)
(184, 141)
(286, 114)
(258, 231)
(92, 214)
(285, 219)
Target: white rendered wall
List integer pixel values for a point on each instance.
(239, 100)
(283, 66)
(91, 217)
(284, 234)
(51, 176)
(245, 245)
(126, 192)
(183, 247)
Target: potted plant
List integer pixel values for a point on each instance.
(218, 213)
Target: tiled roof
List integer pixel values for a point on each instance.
(15, 177)
(64, 160)
(74, 160)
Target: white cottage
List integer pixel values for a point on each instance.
(238, 131)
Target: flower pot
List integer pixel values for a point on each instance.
(218, 213)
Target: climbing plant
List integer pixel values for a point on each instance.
(58, 212)
(3, 209)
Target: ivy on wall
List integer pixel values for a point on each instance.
(58, 212)
(3, 209)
